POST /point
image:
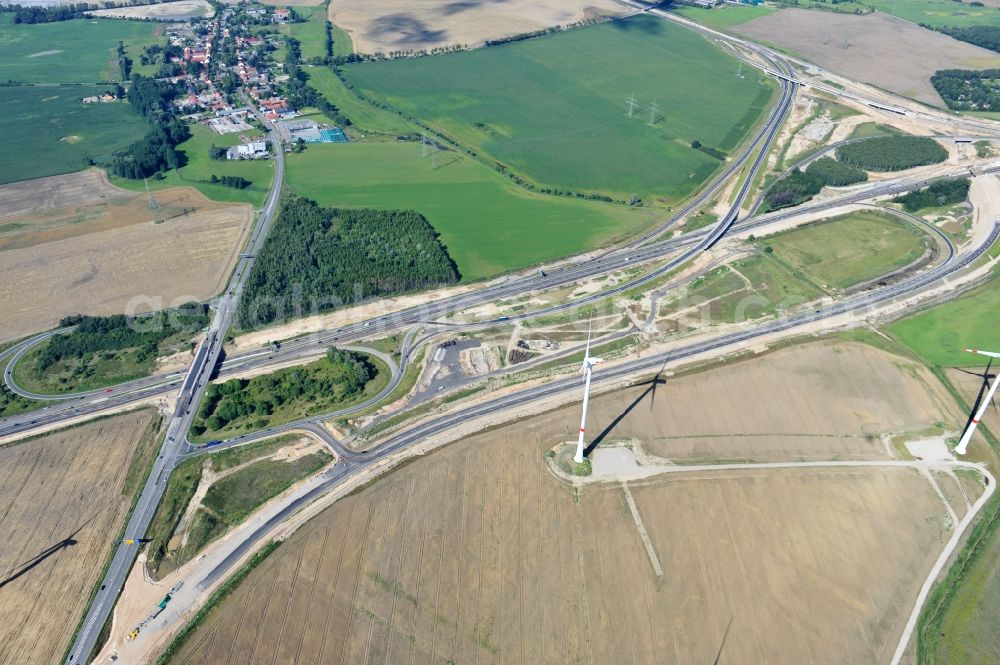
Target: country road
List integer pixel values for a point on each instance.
(654, 248)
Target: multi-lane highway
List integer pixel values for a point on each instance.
(191, 385)
(133, 391)
(71, 406)
(355, 462)
(191, 390)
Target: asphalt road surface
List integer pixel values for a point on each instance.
(642, 250)
(191, 391)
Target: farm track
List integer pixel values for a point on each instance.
(580, 574)
(401, 442)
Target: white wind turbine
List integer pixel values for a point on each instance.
(963, 444)
(588, 370)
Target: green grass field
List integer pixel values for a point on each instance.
(723, 17)
(200, 168)
(237, 494)
(751, 288)
(804, 264)
(366, 118)
(554, 108)
(488, 224)
(967, 633)
(294, 406)
(311, 34)
(848, 250)
(938, 13)
(940, 334)
(232, 499)
(51, 131)
(77, 51)
(342, 42)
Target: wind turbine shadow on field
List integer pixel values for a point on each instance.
(650, 390)
(26, 567)
(722, 646)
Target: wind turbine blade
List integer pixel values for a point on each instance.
(991, 354)
(963, 445)
(983, 388)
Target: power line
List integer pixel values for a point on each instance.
(154, 205)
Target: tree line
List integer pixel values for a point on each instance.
(234, 181)
(941, 193)
(340, 376)
(300, 93)
(892, 153)
(124, 62)
(799, 186)
(316, 259)
(156, 151)
(967, 90)
(32, 14)
(93, 334)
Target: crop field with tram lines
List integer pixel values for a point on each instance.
(77, 51)
(65, 497)
(787, 488)
(553, 109)
(489, 224)
(477, 553)
(97, 256)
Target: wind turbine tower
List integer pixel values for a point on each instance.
(588, 370)
(963, 444)
(653, 108)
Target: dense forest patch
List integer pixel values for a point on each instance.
(937, 194)
(967, 90)
(799, 186)
(892, 153)
(240, 405)
(317, 259)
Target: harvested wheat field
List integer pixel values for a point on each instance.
(64, 497)
(477, 554)
(58, 191)
(822, 400)
(111, 256)
(876, 48)
(177, 10)
(405, 25)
